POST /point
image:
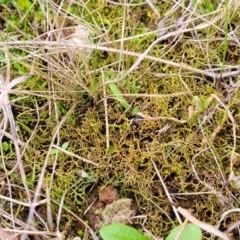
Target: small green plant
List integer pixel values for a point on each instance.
(5, 146)
(201, 104)
(123, 232)
(190, 231)
(55, 151)
(119, 96)
(114, 89)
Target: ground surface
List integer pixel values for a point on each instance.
(185, 131)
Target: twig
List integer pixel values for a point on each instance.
(74, 155)
(233, 226)
(166, 191)
(146, 117)
(106, 112)
(202, 225)
(149, 2)
(237, 210)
